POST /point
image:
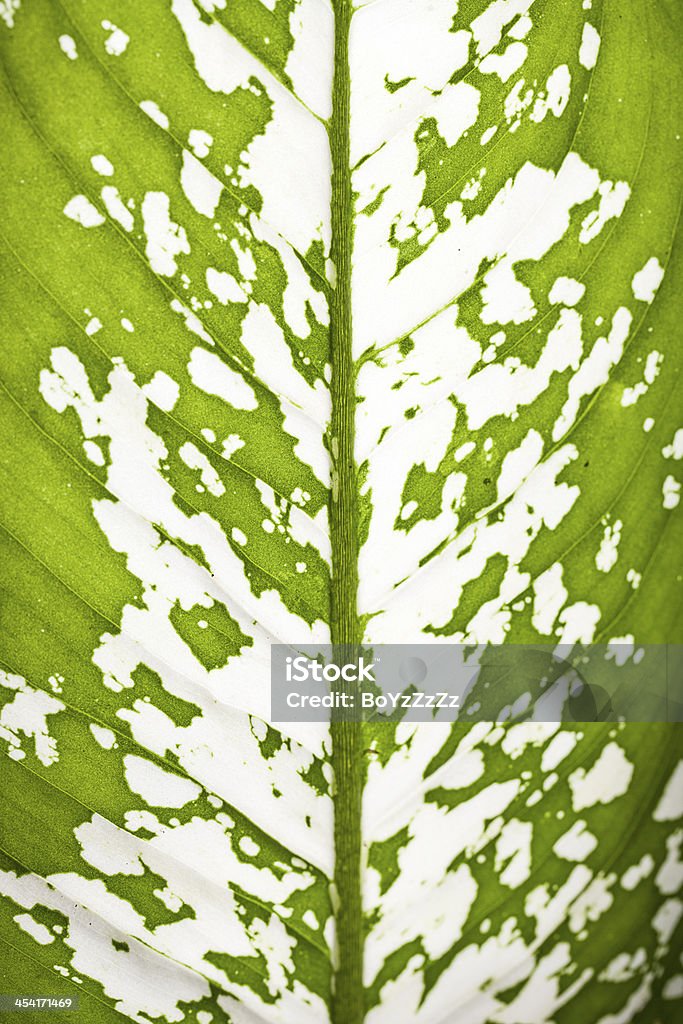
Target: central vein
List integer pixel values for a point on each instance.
(347, 764)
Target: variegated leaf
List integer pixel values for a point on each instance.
(299, 295)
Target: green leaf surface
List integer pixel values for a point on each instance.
(333, 322)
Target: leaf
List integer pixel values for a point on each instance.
(324, 323)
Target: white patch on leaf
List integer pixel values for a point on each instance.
(81, 210)
(165, 239)
(576, 844)
(607, 555)
(608, 778)
(116, 208)
(26, 715)
(550, 596)
(157, 787)
(648, 279)
(590, 45)
(117, 41)
(151, 108)
(202, 189)
(67, 44)
(38, 932)
(671, 493)
(102, 165)
(214, 376)
(566, 291)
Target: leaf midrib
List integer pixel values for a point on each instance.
(348, 998)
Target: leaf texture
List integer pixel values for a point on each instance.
(172, 481)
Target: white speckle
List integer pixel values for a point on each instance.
(408, 509)
(109, 849)
(463, 451)
(157, 787)
(590, 45)
(174, 903)
(567, 291)
(116, 208)
(300, 567)
(192, 322)
(518, 464)
(637, 872)
(593, 902)
(620, 649)
(517, 738)
(521, 28)
(675, 449)
(238, 536)
(194, 459)
(557, 92)
(102, 165)
(652, 365)
(165, 239)
(576, 844)
(309, 918)
(646, 282)
(634, 578)
(578, 623)
(231, 444)
(648, 424)
(127, 325)
(506, 299)
(33, 928)
(93, 326)
(162, 391)
(105, 737)
(83, 212)
(470, 191)
(224, 286)
(115, 44)
(488, 134)
(594, 370)
(67, 45)
(669, 878)
(504, 64)
(213, 376)
(671, 492)
(513, 849)
(550, 595)
(93, 452)
(606, 557)
(488, 27)
(152, 110)
(248, 846)
(608, 779)
(666, 920)
(613, 198)
(202, 189)
(27, 714)
(559, 747)
(673, 989)
(200, 142)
